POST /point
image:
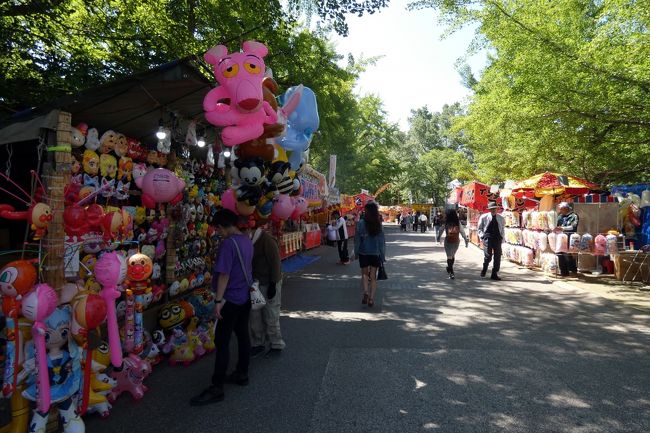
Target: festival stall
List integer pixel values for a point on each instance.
(633, 263)
(118, 212)
(474, 197)
(531, 235)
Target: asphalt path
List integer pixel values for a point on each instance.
(433, 355)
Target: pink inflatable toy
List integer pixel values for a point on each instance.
(228, 200)
(282, 207)
(160, 186)
(110, 271)
(130, 378)
(300, 207)
(240, 77)
(37, 306)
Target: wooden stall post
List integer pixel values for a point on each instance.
(58, 176)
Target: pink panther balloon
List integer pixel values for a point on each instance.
(240, 77)
(160, 186)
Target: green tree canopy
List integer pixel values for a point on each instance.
(567, 87)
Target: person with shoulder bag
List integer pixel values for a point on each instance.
(453, 232)
(231, 282)
(267, 269)
(370, 248)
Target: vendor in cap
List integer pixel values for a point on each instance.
(568, 222)
(491, 232)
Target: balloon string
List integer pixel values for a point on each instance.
(22, 200)
(17, 186)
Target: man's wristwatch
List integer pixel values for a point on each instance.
(218, 301)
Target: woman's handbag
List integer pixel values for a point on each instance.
(381, 274)
(257, 298)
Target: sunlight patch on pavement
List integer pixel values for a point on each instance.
(567, 399)
(340, 316)
(418, 383)
(505, 421)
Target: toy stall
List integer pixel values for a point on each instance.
(109, 201)
(316, 191)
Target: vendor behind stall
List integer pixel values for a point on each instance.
(568, 222)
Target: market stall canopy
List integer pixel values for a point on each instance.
(132, 105)
(553, 184)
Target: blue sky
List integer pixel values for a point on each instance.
(417, 68)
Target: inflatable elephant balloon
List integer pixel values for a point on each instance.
(301, 124)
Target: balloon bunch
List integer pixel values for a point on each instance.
(264, 176)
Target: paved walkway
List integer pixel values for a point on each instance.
(434, 355)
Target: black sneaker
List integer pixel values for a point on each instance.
(495, 277)
(257, 351)
(240, 379)
(483, 273)
(451, 275)
(214, 394)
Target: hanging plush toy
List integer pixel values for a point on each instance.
(240, 77)
(38, 215)
(160, 186)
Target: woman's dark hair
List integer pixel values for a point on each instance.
(225, 218)
(451, 218)
(372, 219)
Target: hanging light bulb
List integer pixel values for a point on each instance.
(161, 134)
(200, 142)
(226, 153)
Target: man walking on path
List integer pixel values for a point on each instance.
(423, 222)
(341, 237)
(491, 232)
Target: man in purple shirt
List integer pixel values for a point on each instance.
(232, 305)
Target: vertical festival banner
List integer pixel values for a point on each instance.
(332, 173)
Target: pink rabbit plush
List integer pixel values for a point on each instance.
(240, 77)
